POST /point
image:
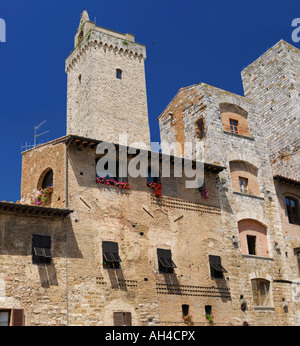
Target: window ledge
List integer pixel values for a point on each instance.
(238, 135)
(247, 195)
(257, 257)
(264, 308)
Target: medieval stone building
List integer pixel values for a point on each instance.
(82, 249)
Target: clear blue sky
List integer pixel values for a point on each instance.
(187, 42)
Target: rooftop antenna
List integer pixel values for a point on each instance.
(38, 135)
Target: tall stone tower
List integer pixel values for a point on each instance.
(273, 82)
(106, 93)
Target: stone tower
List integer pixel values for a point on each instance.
(272, 81)
(106, 85)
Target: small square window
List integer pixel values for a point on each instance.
(119, 73)
(233, 126)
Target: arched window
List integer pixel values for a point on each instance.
(253, 238)
(119, 73)
(48, 179)
(261, 292)
(234, 119)
(244, 178)
(292, 208)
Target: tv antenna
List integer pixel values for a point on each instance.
(36, 136)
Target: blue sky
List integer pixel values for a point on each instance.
(187, 42)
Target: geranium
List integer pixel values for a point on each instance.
(187, 318)
(210, 317)
(157, 188)
(42, 197)
(111, 181)
(204, 192)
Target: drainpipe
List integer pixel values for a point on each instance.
(67, 244)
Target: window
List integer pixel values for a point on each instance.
(199, 128)
(153, 177)
(251, 241)
(119, 73)
(260, 290)
(233, 126)
(165, 263)
(48, 179)
(41, 249)
(243, 185)
(13, 317)
(292, 208)
(4, 318)
(185, 309)
(122, 319)
(111, 258)
(216, 269)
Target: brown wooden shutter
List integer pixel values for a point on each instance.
(118, 319)
(17, 317)
(128, 318)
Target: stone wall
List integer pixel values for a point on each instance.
(272, 81)
(223, 147)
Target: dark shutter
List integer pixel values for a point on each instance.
(128, 321)
(165, 258)
(216, 268)
(118, 319)
(41, 248)
(17, 317)
(111, 251)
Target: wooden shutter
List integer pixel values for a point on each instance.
(128, 319)
(118, 319)
(17, 317)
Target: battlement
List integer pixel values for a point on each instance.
(90, 35)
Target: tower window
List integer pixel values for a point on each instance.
(260, 290)
(233, 126)
(185, 309)
(292, 208)
(251, 241)
(243, 185)
(119, 73)
(199, 128)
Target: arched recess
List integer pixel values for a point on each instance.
(253, 238)
(46, 179)
(244, 177)
(234, 119)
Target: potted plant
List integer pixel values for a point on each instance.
(157, 188)
(43, 197)
(187, 319)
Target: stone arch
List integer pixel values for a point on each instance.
(46, 178)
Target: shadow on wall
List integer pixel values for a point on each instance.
(16, 234)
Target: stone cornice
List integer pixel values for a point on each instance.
(107, 42)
